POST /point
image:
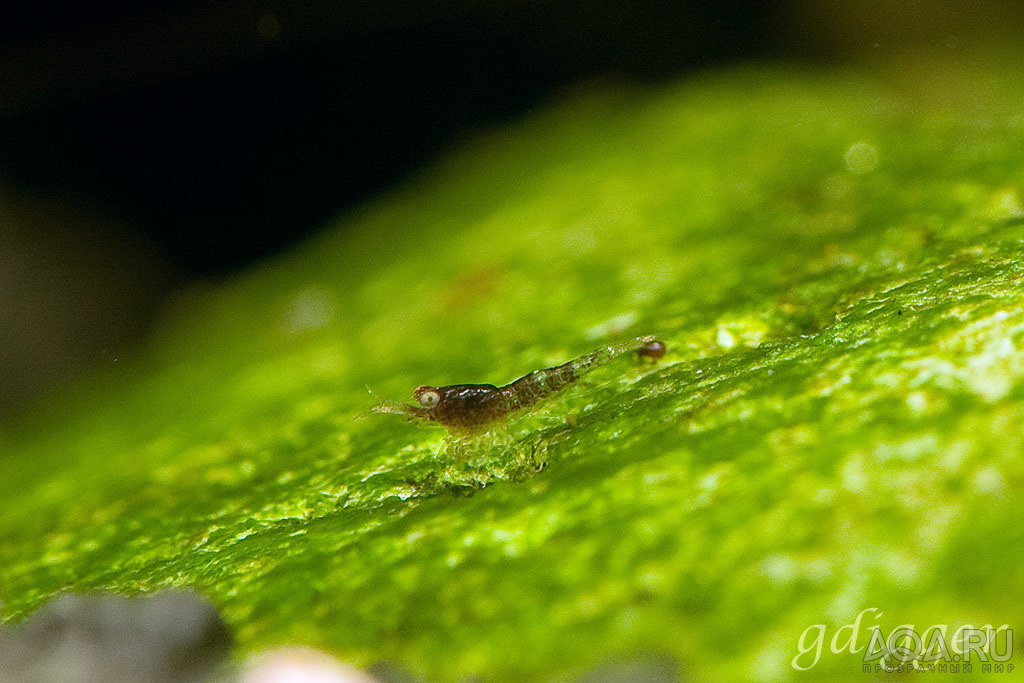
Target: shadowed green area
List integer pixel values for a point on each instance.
(836, 266)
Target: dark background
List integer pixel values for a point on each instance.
(143, 149)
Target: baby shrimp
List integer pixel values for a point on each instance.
(471, 408)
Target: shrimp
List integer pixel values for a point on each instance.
(474, 408)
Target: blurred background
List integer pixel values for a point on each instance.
(147, 149)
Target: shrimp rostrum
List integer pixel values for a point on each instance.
(473, 408)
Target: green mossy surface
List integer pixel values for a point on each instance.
(837, 266)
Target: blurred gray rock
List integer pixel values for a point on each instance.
(170, 636)
(640, 667)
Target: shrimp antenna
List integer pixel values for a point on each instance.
(363, 414)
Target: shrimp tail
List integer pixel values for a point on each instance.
(540, 384)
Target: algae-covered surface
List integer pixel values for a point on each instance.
(836, 266)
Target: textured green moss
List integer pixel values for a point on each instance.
(836, 266)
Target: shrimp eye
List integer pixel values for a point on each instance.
(427, 396)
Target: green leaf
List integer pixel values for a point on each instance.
(836, 267)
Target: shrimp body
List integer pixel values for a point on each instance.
(468, 408)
